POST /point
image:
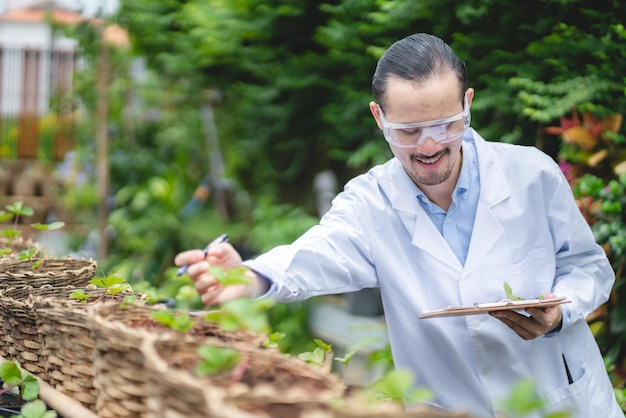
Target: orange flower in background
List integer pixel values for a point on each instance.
(587, 134)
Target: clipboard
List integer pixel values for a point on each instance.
(503, 305)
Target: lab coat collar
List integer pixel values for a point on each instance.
(487, 229)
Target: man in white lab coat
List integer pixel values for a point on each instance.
(447, 222)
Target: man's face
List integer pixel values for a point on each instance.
(429, 162)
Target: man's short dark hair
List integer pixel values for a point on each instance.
(418, 57)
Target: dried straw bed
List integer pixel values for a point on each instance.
(58, 272)
(271, 385)
(120, 377)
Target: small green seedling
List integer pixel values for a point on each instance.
(5, 216)
(181, 323)
(216, 359)
(79, 294)
(36, 409)
(236, 314)
(318, 356)
(27, 254)
(11, 233)
(5, 251)
(396, 386)
(12, 376)
(508, 293)
(346, 361)
(47, 228)
(273, 339)
(18, 209)
(112, 284)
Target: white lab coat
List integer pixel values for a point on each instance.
(528, 232)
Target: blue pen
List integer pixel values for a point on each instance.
(218, 240)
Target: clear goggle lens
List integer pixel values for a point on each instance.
(409, 135)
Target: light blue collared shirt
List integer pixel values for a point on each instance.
(457, 223)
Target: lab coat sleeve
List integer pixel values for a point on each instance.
(583, 271)
(330, 258)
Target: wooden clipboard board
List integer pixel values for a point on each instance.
(483, 308)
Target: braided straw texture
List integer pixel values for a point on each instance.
(120, 377)
(58, 272)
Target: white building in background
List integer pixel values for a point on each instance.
(37, 64)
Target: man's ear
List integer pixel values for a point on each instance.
(470, 96)
(376, 113)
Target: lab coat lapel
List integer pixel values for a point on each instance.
(425, 235)
(493, 189)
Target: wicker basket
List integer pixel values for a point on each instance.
(59, 272)
(69, 344)
(271, 385)
(23, 341)
(119, 364)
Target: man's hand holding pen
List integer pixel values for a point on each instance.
(218, 253)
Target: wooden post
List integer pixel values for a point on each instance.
(102, 146)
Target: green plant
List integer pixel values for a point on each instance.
(181, 322)
(216, 359)
(18, 209)
(112, 285)
(36, 409)
(27, 254)
(346, 361)
(47, 228)
(80, 294)
(396, 385)
(250, 314)
(273, 339)
(317, 357)
(12, 376)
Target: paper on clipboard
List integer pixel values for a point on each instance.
(503, 305)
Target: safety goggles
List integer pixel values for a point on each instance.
(410, 135)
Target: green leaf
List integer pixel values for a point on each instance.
(107, 281)
(181, 323)
(321, 344)
(30, 388)
(164, 317)
(508, 293)
(273, 339)
(48, 227)
(315, 357)
(216, 359)
(10, 373)
(35, 409)
(18, 208)
(79, 294)
(346, 360)
(27, 254)
(4, 216)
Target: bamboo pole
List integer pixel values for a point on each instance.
(102, 147)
